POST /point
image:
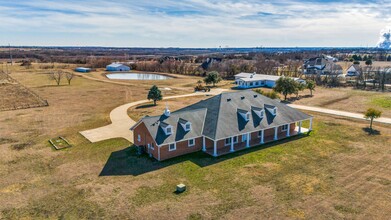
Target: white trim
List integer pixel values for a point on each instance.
(237, 139)
(191, 145)
(225, 141)
(139, 137)
(283, 127)
(215, 149)
(169, 149)
(232, 144)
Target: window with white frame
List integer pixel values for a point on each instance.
(152, 146)
(248, 116)
(168, 130)
(285, 127)
(227, 141)
(139, 138)
(172, 147)
(188, 127)
(235, 139)
(191, 142)
(260, 133)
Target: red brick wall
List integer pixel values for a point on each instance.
(146, 139)
(181, 149)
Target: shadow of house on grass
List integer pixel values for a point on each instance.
(128, 162)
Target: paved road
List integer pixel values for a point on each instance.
(338, 113)
(121, 122)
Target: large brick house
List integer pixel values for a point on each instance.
(219, 125)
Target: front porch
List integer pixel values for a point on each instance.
(254, 142)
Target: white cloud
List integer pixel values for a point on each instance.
(194, 23)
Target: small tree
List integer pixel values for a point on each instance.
(212, 78)
(310, 85)
(372, 114)
(199, 83)
(299, 87)
(368, 62)
(56, 76)
(69, 76)
(286, 86)
(155, 94)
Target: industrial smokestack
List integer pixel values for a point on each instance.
(385, 39)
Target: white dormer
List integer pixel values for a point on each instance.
(166, 128)
(245, 114)
(186, 125)
(259, 111)
(272, 109)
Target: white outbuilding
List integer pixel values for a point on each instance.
(253, 80)
(117, 67)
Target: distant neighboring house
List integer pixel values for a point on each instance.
(83, 69)
(219, 125)
(253, 80)
(354, 70)
(322, 66)
(117, 67)
(209, 61)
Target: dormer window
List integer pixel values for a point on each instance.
(259, 111)
(245, 114)
(166, 128)
(186, 125)
(272, 109)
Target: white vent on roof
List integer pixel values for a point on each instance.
(167, 111)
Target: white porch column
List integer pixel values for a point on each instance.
(288, 132)
(215, 148)
(310, 124)
(262, 136)
(300, 124)
(232, 144)
(203, 144)
(275, 133)
(248, 140)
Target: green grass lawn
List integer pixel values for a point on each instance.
(383, 102)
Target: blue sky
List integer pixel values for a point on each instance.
(192, 23)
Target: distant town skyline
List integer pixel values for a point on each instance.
(193, 23)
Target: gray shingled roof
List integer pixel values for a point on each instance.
(196, 117)
(218, 118)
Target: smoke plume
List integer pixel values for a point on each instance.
(385, 38)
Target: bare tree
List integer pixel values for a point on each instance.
(69, 76)
(56, 76)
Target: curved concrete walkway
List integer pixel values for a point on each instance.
(121, 122)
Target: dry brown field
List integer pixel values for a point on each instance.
(337, 172)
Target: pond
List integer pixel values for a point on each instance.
(137, 76)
